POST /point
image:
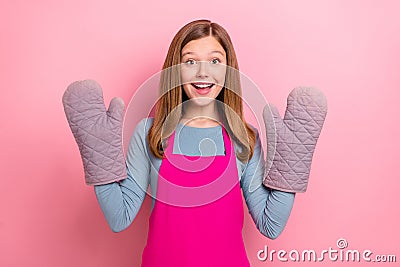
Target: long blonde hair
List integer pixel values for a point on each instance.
(169, 105)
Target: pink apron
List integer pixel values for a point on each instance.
(197, 218)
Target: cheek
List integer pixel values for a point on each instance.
(218, 90)
(186, 89)
(219, 75)
(187, 74)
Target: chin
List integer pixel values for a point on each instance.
(202, 101)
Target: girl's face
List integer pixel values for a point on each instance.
(203, 69)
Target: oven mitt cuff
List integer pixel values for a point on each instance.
(291, 141)
(97, 131)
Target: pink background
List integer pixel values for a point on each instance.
(348, 49)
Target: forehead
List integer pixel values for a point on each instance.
(205, 45)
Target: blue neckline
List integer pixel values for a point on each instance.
(213, 127)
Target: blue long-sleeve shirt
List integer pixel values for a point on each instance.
(120, 202)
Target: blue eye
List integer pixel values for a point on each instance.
(215, 61)
(190, 62)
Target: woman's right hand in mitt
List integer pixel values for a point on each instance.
(97, 131)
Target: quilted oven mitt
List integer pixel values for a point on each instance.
(97, 131)
(291, 141)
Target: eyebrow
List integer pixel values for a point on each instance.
(212, 52)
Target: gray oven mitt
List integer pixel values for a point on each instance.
(97, 131)
(291, 141)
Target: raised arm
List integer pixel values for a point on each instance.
(269, 209)
(120, 202)
(291, 143)
(120, 185)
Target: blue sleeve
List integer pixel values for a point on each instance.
(121, 201)
(269, 209)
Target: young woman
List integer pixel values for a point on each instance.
(198, 154)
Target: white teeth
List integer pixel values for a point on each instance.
(202, 85)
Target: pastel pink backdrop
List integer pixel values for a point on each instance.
(348, 49)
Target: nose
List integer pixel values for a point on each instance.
(202, 69)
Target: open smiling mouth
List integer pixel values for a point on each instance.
(203, 88)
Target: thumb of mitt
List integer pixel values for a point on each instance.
(271, 116)
(116, 109)
(273, 127)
